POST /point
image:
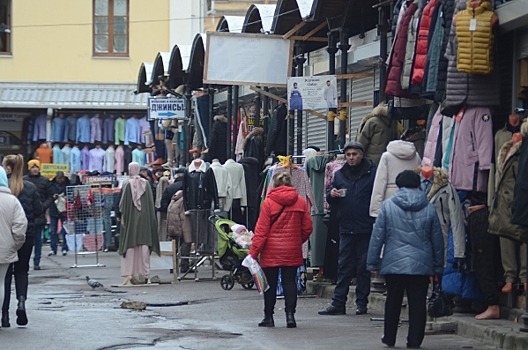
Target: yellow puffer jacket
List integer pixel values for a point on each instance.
(475, 45)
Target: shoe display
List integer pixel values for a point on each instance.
(333, 310)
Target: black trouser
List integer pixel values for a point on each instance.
(485, 257)
(20, 268)
(289, 275)
(416, 289)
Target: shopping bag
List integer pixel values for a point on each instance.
(258, 274)
(439, 303)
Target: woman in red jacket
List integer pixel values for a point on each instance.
(284, 224)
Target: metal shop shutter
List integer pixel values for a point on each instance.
(361, 90)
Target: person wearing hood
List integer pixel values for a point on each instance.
(408, 230)
(13, 225)
(374, 133)
(284, 224)
(400, 156)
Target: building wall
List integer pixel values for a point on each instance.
(52, 42)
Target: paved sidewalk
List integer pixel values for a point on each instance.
(503, 333)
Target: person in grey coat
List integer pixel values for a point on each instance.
(408, 229)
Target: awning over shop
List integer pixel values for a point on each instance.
(161, 66)
(233, 24)
(144, 77)
(259, 19)
(71, 96)
(196, 62)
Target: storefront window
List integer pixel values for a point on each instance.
(5, 26)
(110, 27)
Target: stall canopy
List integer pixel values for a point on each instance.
(161, 66)
(196, 63)
(259, 19)
(178, 63)
(144, 77)
(232, 24)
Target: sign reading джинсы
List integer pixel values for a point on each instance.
(166, 108)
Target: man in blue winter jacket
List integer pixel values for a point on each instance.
(350, 195)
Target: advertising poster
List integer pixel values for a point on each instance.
(317, 92)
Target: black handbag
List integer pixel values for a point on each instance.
(439, 304)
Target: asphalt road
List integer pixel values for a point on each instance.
(65, 313)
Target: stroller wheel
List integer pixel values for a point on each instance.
(227, 282)
(248, 285)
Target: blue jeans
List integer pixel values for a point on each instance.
(353, 249)
(37, 243)
(54, 236)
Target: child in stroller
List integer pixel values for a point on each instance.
(231, 254)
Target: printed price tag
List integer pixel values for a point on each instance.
(473, 24)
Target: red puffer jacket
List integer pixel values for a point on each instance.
(284, 224)
(420, 58)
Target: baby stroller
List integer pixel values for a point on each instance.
(231, 255)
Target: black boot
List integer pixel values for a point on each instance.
(267, 322)
(290, 320)
(5, 319)
(21, 312)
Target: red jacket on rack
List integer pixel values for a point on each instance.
(420, 56)
(284, 224)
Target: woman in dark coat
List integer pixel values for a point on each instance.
(28, 195)
(284, 224)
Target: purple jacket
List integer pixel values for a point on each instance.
(473, 143)
(97, 156)
(39, 128)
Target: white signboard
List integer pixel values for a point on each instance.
(317, 92)
(166, 108)
(247, 59)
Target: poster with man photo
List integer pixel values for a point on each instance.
(316, 92)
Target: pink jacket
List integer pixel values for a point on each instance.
(119, 160)
(473, 143)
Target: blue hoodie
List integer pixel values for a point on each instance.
(3, 178)
(408, 226)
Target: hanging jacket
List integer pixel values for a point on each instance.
(199, 186)
(475, 44)
(412, 36)
(254, 146)
(178, 224)
(450, 214)
(374, 133)
(434, 47)
(501, 207)
(410, 233)
(397, 57)
(218, 139)
(284, 224)
(472, 147)
(473, 90)
(400, 156)
(427, 22)
(447, 10)
(278, 132)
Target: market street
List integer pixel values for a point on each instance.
(64, 312)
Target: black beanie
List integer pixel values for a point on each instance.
(408, 178)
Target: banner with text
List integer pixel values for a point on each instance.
(317, 92)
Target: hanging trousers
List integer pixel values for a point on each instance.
(416, 288)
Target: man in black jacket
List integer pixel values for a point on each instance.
(350, 195)
(45, 191)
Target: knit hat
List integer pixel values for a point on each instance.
(32, 163)
(408, 178)
(238, 228)
(354, 145)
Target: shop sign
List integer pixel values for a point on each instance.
(49, 170)
(314, 92)
(166, 108)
